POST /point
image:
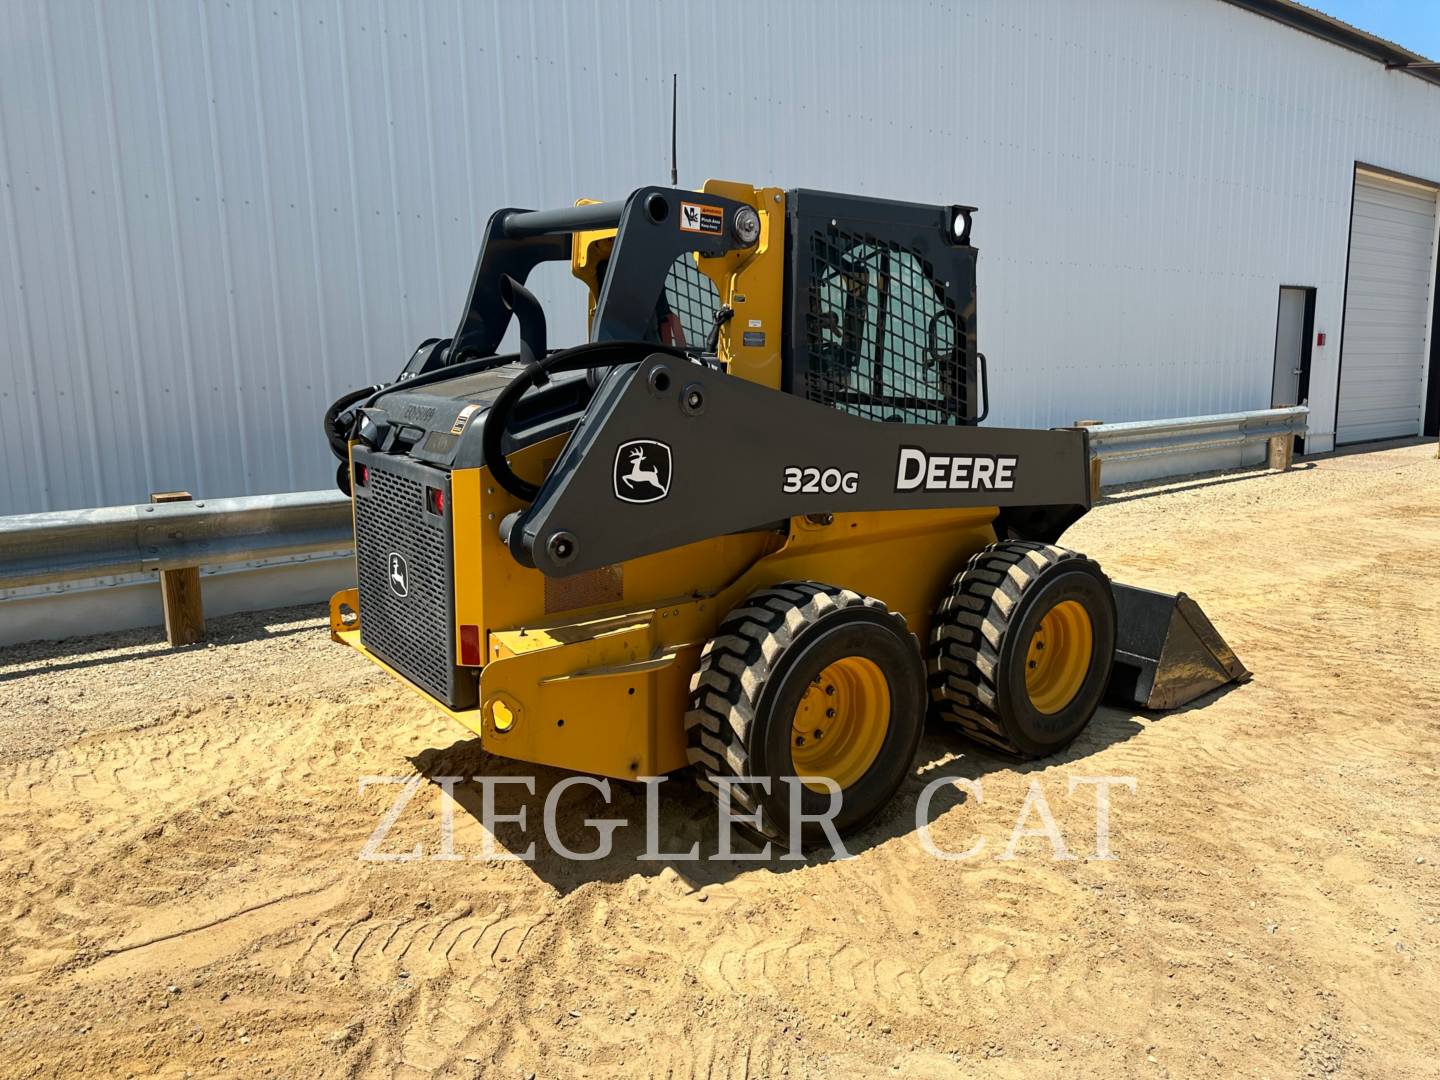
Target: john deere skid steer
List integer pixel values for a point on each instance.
(751, 525)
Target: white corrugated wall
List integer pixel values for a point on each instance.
(216, 216)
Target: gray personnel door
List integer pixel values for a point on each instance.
(1292, 358)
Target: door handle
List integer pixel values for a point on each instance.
(984, 372)
(1297, 371)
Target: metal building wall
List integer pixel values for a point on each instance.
(216, 216)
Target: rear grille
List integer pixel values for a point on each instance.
(402, 549)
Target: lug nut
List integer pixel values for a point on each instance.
(830, 690)
(830, 713)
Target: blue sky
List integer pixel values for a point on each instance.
(1414, 24)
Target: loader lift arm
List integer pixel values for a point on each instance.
(739, 456)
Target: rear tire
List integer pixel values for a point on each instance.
(806, 679)
(990, 672)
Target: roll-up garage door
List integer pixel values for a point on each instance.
(1387, 310)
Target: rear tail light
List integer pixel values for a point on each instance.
(362, 475)
(435, 500)
(469, 645)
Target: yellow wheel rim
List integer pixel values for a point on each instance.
(840, 723)
(1059, 656)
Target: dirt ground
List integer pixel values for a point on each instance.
(181, 891)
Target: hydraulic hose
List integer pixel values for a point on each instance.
(340, 440)
(538, 366)
(595, 354)
(529, 314)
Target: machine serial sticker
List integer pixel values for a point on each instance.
(752, 338)
(464, 418)
(918, 470)
(696, 217)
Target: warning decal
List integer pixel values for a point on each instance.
(464, 418)
(695, 217)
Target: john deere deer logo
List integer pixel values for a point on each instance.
(642, 471)
(399, 575)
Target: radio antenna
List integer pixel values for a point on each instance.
(674, 164)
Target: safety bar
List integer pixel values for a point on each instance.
(520, 224)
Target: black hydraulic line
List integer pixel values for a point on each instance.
(521, 224)
(538, 363)
(529, 314)
(595, 354)
(339, 440)
(723, 315)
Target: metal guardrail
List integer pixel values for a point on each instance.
(78, 545)
(1154, 438)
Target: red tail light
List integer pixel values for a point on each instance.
(469, 645)
(436, 499)
(362, 475)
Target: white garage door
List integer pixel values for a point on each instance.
(1387, 310)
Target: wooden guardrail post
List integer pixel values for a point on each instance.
(1094, 462)
(1282, 452)
(180, 592)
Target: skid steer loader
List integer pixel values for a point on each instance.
(752, 525)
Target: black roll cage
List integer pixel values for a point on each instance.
(651, 233)
(648, 240)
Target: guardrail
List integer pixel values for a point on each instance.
(1140, 439)
(84, 545)
(1149, 438)
(78, 545)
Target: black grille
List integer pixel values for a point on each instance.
(413, 633)
(691, 297)
(882, 338)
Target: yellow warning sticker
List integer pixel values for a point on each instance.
(696, 217)
(464, 418)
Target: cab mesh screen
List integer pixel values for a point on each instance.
(688, 305)
(881, 336)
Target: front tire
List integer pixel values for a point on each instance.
(807, 679)
(1022, 646)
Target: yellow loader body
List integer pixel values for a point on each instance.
(603, 687)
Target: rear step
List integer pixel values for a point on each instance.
(1167, 653)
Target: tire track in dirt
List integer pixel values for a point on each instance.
(421, 945)
(108, 801)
